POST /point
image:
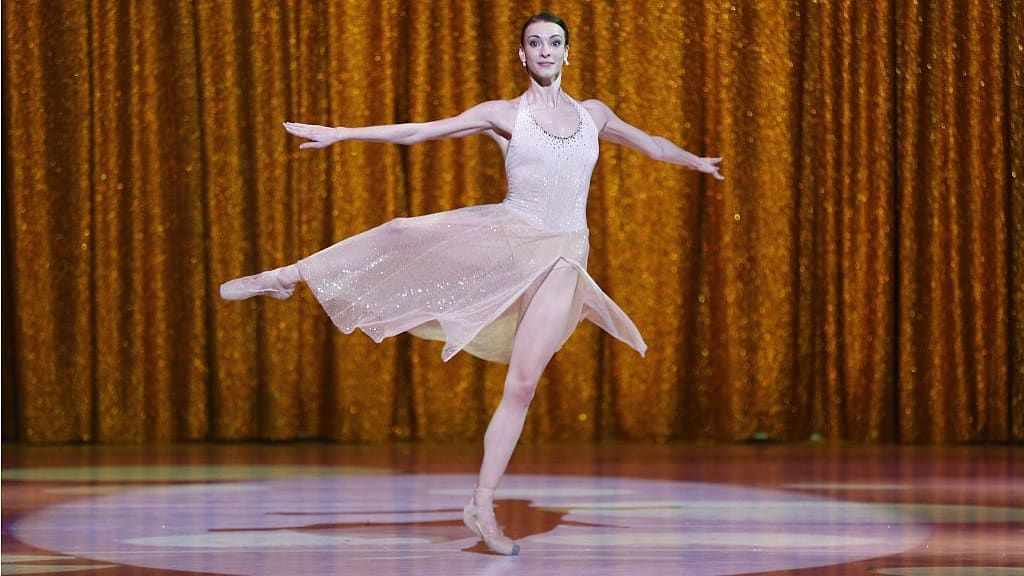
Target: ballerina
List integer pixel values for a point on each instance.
(505, 282)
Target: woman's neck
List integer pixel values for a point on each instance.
(549, 94)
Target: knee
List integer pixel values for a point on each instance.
(520, 389)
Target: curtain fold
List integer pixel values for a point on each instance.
(858, 276)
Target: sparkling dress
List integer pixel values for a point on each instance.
(466, 276)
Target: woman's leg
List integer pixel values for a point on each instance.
(277, 283)
(537, 338)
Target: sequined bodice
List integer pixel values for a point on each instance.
(548, 175)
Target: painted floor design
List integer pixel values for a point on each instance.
(312, 509)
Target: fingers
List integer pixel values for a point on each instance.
(303, 130)
(711, 167)
(707, 166)
(300, 130)
(291, 129)
(319, 136)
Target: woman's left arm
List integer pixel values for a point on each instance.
(615, 129)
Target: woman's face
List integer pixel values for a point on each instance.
(543, 49)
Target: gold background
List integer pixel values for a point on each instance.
(860, 274)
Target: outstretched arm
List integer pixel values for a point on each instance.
(614, 129)
(476, 120)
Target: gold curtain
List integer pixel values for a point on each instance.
(859, 275)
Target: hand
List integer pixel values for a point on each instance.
(319, 136)
(709, 166)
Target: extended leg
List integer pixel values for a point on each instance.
(537, 338)
(277, 283)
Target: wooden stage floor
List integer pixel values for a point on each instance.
(303, 509)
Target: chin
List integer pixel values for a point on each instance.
(548, 73)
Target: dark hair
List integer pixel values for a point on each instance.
(545, 17)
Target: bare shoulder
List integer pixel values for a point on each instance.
(503, 115)
(492, 108)
(499, 115)
(508, 108)
(595, 105)
(599, 111)
(493, 111)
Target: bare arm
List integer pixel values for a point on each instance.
(616, 130)
(476, 120)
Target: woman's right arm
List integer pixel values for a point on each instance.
(476, 120)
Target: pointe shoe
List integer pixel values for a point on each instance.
(481, 522)
(262, 284)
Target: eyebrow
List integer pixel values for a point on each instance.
(539, 37)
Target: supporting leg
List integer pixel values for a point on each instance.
(538, 336)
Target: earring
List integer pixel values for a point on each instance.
(566, 58)
(524, 63)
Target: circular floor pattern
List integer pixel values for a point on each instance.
(950, 571)
(403, 524)
(176, 473)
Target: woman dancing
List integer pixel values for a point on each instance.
(505, 282)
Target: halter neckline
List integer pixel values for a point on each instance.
(579, 121)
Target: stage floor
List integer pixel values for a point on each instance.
(303, 509)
